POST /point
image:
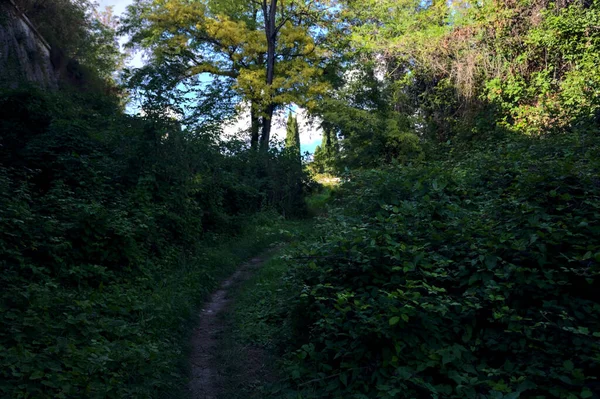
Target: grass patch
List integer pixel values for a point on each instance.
(187, 290)
(318, 202)
(256, 328)
(246, 355)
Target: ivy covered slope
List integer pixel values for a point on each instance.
(467, 277)
(113, 228)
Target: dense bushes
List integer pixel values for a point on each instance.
(470, 277)
(112, 229)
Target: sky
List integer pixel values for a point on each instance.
(310, 133)
(119, 5)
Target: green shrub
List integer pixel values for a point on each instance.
(113, 228)
(473, 277)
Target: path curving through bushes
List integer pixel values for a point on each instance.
(204, 376)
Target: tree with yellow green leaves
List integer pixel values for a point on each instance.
(266, 48)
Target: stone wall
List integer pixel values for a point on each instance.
(24, 54)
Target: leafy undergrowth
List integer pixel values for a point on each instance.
(112, 230)
(123, 339)
(474, 277)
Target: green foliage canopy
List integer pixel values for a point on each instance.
(230, 41)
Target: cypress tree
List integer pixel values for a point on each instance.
(334, 144)
(292, 137)
(326, 155)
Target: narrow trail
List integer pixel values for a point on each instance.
(204, 383)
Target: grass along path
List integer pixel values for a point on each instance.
(233, 352)
(246, 352)
(206, 378)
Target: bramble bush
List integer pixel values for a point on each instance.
(473, 276)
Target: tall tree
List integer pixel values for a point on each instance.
(464, 67)
(265, 49)
(326, 155)
(292, 137)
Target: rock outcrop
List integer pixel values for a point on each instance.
(24, 54)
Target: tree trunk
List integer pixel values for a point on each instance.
(269, 13)
(254, 127)
(266, 126)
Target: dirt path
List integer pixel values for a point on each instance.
(204, 375)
